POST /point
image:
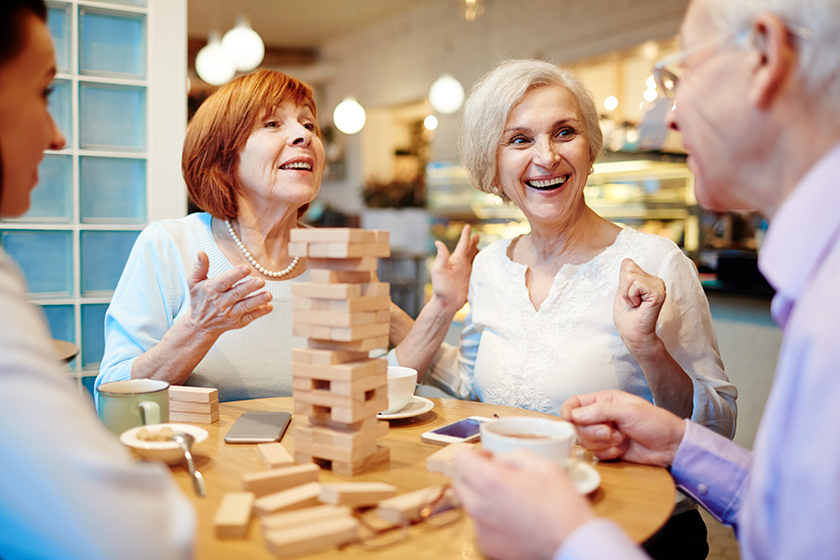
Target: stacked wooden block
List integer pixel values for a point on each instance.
(343, 312)
(193, 404)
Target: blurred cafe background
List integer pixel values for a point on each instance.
(390, 77)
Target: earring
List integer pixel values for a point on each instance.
(592, 170)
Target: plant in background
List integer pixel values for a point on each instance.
(395, 193)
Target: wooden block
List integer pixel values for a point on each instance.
(325, 397)
(353, 305)
(382, 455)
(276, 480)
(381, 235)
(312, 538)
(348, 250)
(326, 357)
(407, 506)
(233, 515)
(334, 235)
(335, 453)
(274, 455)
(363, 345)
(360, 332)
(347, 388)
(376, 289)
(326, 291)
(333, 318)
(298, 249)
(350, 371)
(371, 430)
(193, 394)
(356, 494)
(303, 496)
(363, 263)
(437, 461)
(303, 517)
(342, 414)
(342, 276)
(187, 406)
(383, 316)
(195, 417)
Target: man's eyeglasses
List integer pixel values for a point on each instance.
(666, 71)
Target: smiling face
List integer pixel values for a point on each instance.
(283, 160)
(543, 159)
(26, 127)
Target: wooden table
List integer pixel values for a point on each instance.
(639, 498)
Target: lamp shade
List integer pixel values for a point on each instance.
(446, 95)
(349, 117)
(212, 63)
(244, 46)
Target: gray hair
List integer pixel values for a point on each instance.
(490, 101)
(819, 66)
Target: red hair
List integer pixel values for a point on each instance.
(220, 129)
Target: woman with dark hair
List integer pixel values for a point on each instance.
(68, 488)
(206, 299)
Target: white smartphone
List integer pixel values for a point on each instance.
(466, 430)
(258, 427)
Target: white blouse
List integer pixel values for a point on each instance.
(514, 355)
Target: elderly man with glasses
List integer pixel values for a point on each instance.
(756, 94)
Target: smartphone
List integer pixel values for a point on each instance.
(463, 430)
(258, 427)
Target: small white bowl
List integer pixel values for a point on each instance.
(167, 451)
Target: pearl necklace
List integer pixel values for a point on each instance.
(253, 261)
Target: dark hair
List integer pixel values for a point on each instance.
(11, 31)
(221, 127)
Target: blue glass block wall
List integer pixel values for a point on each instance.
(112, 117)
(60, 107)
(111, 43)
(112, 190)
(62, 323)
(103, 255)
(58, 20)
(52, 199)
(93, 334)
(46, 258)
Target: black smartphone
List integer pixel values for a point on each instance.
(258, 427)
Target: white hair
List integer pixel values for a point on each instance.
(819, 66)
(491, 100)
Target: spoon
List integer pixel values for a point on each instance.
(186, 441)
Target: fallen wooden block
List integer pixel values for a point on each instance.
(407, 506)
(195, 417)
(303, 496)
(312, 538)
(193, 394)
(233, 515)
(303, 517)
(276, 480)
(274, 455)
(438, 461)
(356, 494)
(193, 407)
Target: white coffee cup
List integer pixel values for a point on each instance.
(401, 383)
(552, 439)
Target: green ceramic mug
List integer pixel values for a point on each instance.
(134, 402)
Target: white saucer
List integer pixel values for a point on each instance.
(415, 407)
(584, 476)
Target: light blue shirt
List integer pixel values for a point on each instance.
(783, 499)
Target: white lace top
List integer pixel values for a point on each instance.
(513, 355)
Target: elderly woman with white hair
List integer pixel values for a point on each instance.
(560, 310)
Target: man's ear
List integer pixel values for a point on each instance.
(775, 61)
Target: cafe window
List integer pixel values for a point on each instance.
(115, 99)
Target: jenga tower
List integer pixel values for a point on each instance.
(343, 312)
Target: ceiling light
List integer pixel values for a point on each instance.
(651, 82)
(349, 117)
(446, 95)
(430, 122)
(473, 9)
(212, 63)
(611, 102)
(650, 94)
(243, 45)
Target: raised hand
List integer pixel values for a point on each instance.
(616, 424)
(451, 273)
(636, 308)
(223, 303)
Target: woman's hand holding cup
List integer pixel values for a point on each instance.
(224, 302)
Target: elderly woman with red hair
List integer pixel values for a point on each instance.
(206, 300)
